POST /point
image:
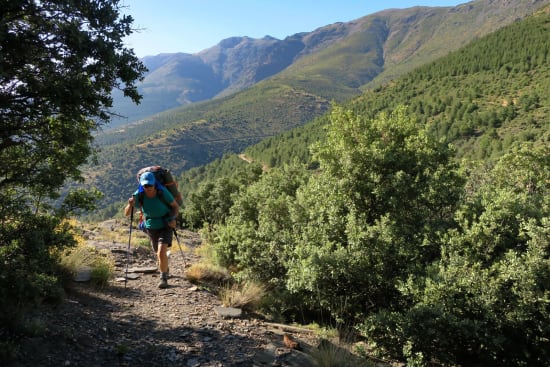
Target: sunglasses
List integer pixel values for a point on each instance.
(147, 186)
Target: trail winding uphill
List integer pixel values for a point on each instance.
(137, 324)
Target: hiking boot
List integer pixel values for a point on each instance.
(163, 280)
(163, 283)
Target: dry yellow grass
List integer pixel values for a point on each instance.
(328, 354)
(101, 262)
(245, 295)
(203, 272)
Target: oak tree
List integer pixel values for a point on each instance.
(59, 63)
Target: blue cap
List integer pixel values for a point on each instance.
(147, 178)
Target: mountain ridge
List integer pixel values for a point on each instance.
(198, 133)
(407, 38)
(483, 99)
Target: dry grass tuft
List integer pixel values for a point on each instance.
(245, 295)
(83, 256)
(203, 272)
(328, 354)
(336, 348)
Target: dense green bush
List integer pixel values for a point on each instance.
(211, 202)
(486, 302)
(374, 213)
(256, 239)
(388, 236)
(28, 269)
(384, 191)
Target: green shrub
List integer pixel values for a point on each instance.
(28, 274)
(486, 301)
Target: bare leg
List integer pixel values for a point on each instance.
(162, 257)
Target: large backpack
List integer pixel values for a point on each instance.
(165, 178)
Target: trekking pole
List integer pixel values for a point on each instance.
(179, 245)
(128, 250)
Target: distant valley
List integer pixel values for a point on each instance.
(197, 108)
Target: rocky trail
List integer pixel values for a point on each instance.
(134, 323)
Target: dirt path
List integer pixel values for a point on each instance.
(248, 160)
(141, 325)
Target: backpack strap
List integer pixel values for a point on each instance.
(163, 199)
(141, 196)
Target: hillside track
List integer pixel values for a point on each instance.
(134, 323)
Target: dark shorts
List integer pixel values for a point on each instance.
(163, 236)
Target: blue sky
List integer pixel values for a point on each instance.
(168, 26)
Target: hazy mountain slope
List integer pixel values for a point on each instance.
(384, 45)
(438, 31)
(232, 65)
(241, 62)
(198, 133)
(336, 61)
(484, 98)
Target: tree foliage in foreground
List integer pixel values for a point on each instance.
(486, 301)
(389, 237)
(384, 192)
(59, 62)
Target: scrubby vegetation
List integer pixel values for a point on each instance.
(390, 233)
(421, 227)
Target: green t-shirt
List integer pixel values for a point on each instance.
(154, 209)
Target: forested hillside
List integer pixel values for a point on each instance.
(198, 135)
(482, 98)
(351, 55)
(431, 253)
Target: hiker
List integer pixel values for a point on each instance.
(160, 211)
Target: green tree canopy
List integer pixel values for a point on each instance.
(59, 62)
(369, 217)
(485, 302)
(388, 190)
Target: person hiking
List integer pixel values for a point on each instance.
(160, 211)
